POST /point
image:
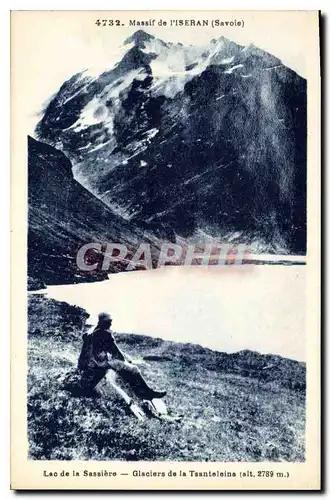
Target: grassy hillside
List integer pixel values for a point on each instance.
(235, 407)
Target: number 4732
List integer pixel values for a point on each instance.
(108, 22)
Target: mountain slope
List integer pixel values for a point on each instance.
(63, 216)
(182, 139)
(233, 409)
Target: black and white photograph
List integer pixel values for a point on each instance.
(167, 244)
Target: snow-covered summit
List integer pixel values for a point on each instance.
(185, 136)
(139, 38)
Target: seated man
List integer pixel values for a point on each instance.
(100, 353)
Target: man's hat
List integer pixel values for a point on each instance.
(103, 316)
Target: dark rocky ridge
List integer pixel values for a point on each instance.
(62, 216)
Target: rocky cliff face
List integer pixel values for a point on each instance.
(63, 216)
(185, 140)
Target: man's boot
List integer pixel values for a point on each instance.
(145, 392)
(154, 394)
(134, 377)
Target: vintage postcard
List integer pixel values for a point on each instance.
(165, 250)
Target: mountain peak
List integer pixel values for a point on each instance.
(139, 37)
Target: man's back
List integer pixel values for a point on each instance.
(103, 344)
(99, 353)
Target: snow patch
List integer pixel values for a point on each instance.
(151, 133)
(114, 89)
(175, 65)
(229, 60)
(99, 146)
(230, 70)
(93, 113)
